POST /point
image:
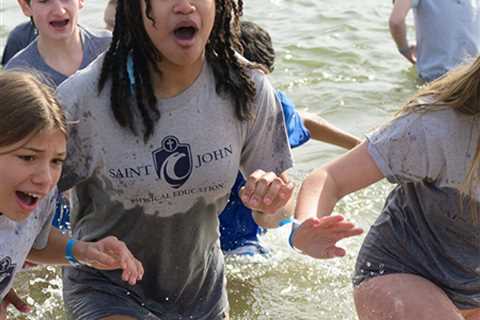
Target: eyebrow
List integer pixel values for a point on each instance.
(42, 151)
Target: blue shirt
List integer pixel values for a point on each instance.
(237, 226)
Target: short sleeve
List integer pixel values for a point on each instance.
(405, 152)
(266, 146)
(42, 238)
(297, 133)
(81, 158)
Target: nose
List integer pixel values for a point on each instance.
(45, 177)
(58, 7)
(184, 7)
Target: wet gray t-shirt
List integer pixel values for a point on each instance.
(18, 238)
(163, 197)
(94, 43)
(423, 228)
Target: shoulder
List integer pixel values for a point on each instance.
(82, 85)
(436, 126)
(96, 35)
(24, 30)
(263, 86)
(25, 58)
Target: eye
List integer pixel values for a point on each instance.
(27, 158)
(58, 161)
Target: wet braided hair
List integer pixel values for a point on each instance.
(130, 38)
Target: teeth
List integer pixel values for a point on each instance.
(33, 195)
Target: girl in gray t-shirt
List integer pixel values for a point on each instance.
(33, 135)
(421, 258)
(164, 121)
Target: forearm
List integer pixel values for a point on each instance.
(396, 22)
(398, 30)
(54, 252)
(322, 189)
(317, 197)
(322, 130)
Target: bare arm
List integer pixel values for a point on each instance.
(319, 233)
(322, 130)
(106, 254)
(325, 186)
(398, 29)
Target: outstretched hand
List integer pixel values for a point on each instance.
(318, 237)
(266, 192)
(12, 299)
(110, 254)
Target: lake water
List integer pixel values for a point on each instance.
(335, 59)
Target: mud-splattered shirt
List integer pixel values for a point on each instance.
(162, 197)
(424, 228)
(18, 238)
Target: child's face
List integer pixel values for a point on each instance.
(29, 169)
(55, 19)
(182, 28)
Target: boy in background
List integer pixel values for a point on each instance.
(62, 47)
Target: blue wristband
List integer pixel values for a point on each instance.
(295, 226)
(285, 221)
(69, 254)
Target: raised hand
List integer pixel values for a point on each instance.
(110, 254)
(318, 237)
(266, 192)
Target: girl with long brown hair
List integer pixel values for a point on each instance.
(33, 135)
(421, 258)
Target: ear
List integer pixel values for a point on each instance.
(81, 4)
(26, 8)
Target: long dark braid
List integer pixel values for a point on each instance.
(130, 38)
(231, 75)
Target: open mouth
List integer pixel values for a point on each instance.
(185, 33)
(59, 23)
(27, 198)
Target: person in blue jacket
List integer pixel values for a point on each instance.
(239, 233)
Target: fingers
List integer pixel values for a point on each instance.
(317, 237)
(348, 233)
(256, 187)
(334, 252)
(264, 189)
(248, 189)
(132, 268)
(328, 221)
(13, 299)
